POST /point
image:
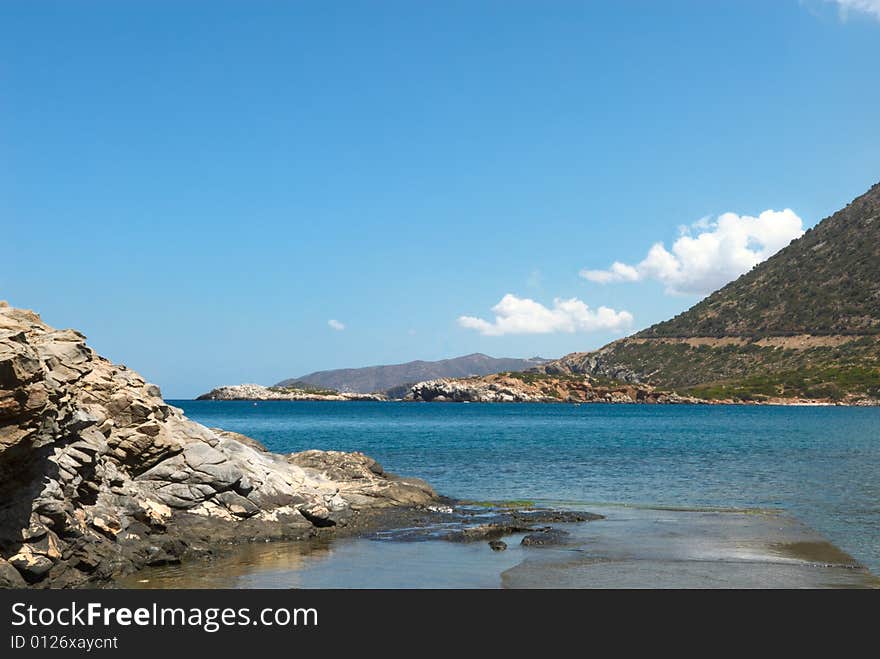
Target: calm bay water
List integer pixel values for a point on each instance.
(822, 464)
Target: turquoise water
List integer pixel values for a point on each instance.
(822, 464)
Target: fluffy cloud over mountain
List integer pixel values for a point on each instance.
(709, 253)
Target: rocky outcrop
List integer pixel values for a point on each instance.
(259, 392)
(533, 387)
(796, 370)
(474, 390)
(99, 476)
(600, 363)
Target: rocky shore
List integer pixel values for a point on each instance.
(259, 392)
(547, 384)
(527, 387)
(488, 545)
(100, 477)
(538, 388)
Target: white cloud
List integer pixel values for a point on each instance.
(866, 6)
(709, 254)
(617, 272)
(515, 315)
(335, 324)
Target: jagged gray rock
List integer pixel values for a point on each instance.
(599, 363)
(99, 476)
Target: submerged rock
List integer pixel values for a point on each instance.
(463, 523)
(99, 476)
(498, 545)
(544, 537)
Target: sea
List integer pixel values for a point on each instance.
(820, 465)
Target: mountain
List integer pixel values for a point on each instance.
(804, 323)
(398, 377)
(827, 282)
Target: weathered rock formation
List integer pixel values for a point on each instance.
(99, 476)
(473, 390)
(259, 392)
(599, 363)
(531, 387)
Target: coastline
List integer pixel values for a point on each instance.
(800, 459)
(775, 402)
(102, 477)
(527, 387)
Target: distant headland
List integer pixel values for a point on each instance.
(802, 328)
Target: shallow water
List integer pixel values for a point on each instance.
(820, 464)
(630, 548)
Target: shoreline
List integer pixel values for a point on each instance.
(501, 547)
(707, 403)
(101, 476)
(444, 519)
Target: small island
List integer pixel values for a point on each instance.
(259, 392)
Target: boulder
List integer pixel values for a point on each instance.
(9, 576)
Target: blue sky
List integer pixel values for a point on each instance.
(200, 187)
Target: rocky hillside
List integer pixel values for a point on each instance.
(825, 283)
(805, 323)
(398, 377)
(99, 476)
